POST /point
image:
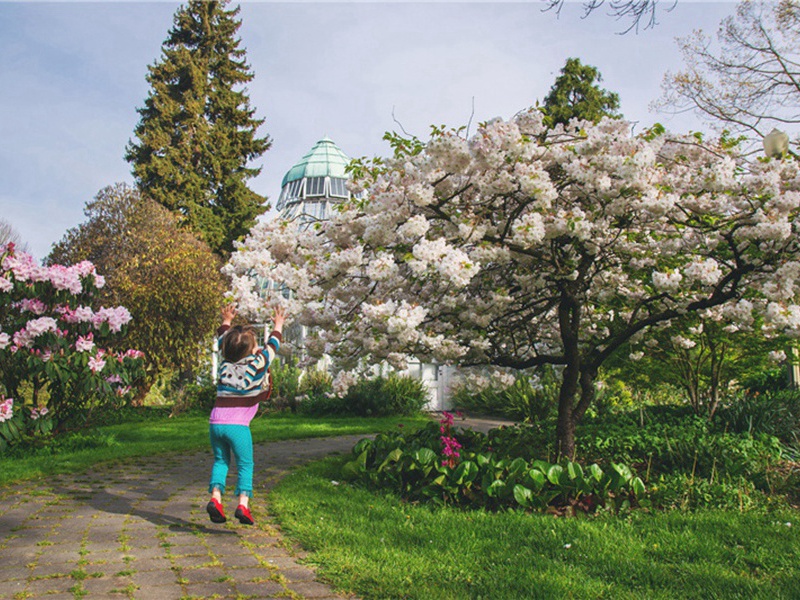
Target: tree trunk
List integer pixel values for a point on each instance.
(565, 426)
(568, 320)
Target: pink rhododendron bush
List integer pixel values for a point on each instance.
(523, 246)
(59, 357)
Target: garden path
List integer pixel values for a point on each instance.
(140, 530)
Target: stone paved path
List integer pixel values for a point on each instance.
(141, 531)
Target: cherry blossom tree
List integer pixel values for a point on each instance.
(525, 246)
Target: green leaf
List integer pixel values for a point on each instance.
(466, 472)
(496, 488)
(623, 471)
(574, 470)
(638, 487)
(518, 466)
(523, 495)
(554, 474)
(537, 478)
(392, 457)
(543, 466)
(425, 456)
(596, 471)
(356, 467)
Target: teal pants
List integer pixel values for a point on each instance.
(235, 439)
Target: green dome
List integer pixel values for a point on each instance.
(319, 175)
(325, 159)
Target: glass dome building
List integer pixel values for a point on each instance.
(315, 183)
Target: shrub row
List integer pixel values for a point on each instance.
(417, 469)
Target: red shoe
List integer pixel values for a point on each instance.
(243, 514)
(214, 510)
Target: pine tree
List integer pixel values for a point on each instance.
(576, 94)
(197, 133)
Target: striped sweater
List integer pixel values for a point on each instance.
(242, 385)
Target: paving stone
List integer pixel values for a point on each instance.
(53, 569)
(42, 587)
(204, 574)
(295, 574)
(191, 562)
(11, 573)
(155, 578)
(149, 592)
(103, 586)
(311, 589)
(266, 589)
(152, 564)
(249, 574)
(10, 590)
(239, 561)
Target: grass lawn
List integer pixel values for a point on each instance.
(382, 548)
(85, 449)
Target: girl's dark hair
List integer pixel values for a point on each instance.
(238, 342)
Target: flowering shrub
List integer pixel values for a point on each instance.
(57, 361)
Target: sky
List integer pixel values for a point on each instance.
(72, 75)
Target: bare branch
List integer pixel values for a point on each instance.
(637, 12)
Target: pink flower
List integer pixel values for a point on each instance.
(85, 343)
(6, 409)
(5, 340)
(96, 364)
(114, 379)
(65, 278)
(24, 267)
(115, 317)
(33, 305)
(33, 329)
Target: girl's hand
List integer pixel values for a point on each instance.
(228, 313)
(280, 318)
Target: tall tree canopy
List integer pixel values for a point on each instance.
(169, 280)
(577, 95)
(198, 135)
(525, 246)
(749, 80)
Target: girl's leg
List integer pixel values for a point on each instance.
(222, 460)
(242, 445)
(219, 473)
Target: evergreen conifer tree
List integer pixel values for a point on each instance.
(197, 134)
(576, 94)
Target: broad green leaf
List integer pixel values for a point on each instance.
(554, 474)
(537, 478)
(574, 470)
(495, 488)
(523, 495)
(425, 456)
